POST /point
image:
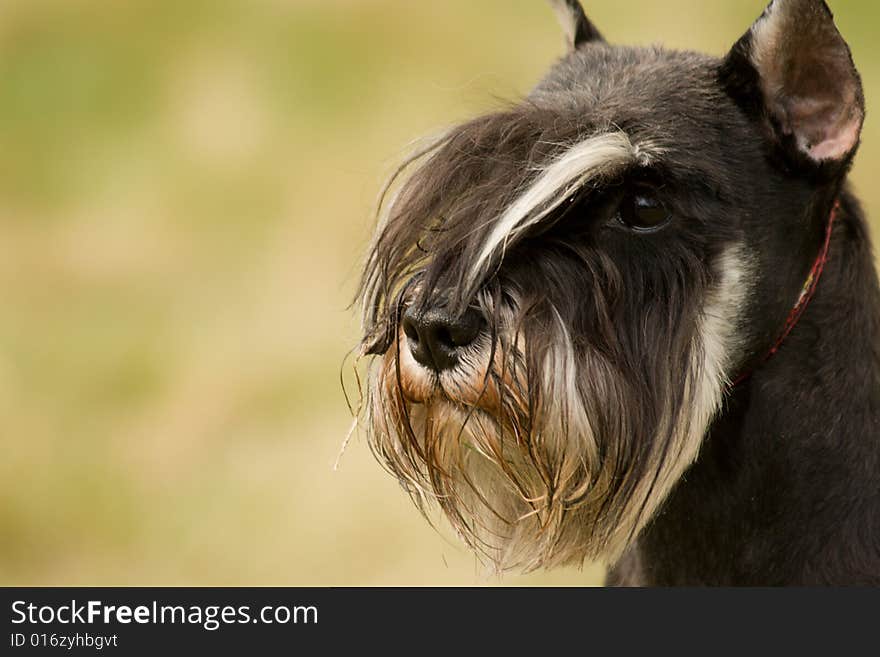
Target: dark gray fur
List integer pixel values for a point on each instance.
(786, 489)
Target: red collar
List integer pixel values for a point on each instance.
(803, 301)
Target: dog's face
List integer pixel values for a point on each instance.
(559, 294)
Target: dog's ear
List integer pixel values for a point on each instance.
(578, 28)
(794, 70)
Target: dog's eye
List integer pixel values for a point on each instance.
(643, 212)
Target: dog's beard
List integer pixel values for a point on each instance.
(542, 452)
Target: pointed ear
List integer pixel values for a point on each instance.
(578, 28)
(794, 69)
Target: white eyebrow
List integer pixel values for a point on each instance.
(596, 157)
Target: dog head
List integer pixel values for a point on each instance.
(560, 293)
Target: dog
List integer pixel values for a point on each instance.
(634, 318)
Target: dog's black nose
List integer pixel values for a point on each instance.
(435, 337)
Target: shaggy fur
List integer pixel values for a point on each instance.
(594, 416)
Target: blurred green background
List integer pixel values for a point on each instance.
(185, 193)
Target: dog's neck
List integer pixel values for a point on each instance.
(787, 487)
(806, 296)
